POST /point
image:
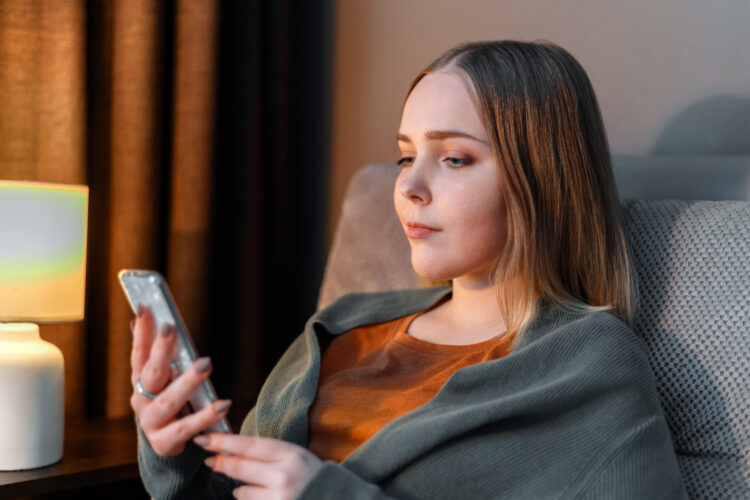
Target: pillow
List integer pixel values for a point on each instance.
(693, 262)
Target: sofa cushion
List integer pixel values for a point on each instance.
(693, 262)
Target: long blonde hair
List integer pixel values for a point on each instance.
(566, 241)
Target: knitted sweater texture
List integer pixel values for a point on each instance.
(572, 412)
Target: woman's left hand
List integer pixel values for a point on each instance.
(271, 468)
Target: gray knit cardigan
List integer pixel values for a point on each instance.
(572, 412)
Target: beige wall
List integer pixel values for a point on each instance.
(663, 70)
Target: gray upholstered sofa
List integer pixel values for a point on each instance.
(688, 223)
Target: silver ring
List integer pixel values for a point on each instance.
(139, 388)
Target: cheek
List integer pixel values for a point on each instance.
(479, 220)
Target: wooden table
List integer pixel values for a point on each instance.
(99, 460)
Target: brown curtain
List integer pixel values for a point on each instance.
(181, 118)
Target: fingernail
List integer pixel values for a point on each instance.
(203, 364)
(141, 310)
(223, 406)
(167, 330)
(202, 440)
(210, 461)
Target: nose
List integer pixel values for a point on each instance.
(413, 186)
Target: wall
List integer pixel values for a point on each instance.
(671, 76)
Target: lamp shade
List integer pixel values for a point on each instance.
(43, 251)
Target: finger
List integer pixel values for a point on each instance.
(174, 435)
(247, 470)
(249, 492)
(255, 447)
(143, 333)
(157, 370)
(176, 394)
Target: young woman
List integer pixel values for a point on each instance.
(520, 379)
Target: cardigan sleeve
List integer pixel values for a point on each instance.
(334, 481)
(183, 476)
(642, 464)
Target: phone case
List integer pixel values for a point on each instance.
(149, 288)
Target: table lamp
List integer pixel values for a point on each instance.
(42, 280)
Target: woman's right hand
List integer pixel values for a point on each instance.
(150, 359)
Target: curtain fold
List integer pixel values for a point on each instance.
(192, 151)
(137, 174)
(180, 115)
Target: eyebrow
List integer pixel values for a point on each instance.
(437, 135)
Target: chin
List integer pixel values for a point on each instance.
(434, 275)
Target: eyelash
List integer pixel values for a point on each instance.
(463, 161)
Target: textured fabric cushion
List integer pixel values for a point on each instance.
(693, 261)
(370, 252)
(692, 258)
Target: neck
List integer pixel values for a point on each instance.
(473, 306)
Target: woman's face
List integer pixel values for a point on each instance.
(449, 181)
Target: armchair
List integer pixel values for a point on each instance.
(687, 220)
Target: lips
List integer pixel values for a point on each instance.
(416, 230)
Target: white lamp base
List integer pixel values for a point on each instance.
(32, 398)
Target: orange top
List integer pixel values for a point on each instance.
(374, 374)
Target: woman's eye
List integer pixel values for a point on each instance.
(454, 162)
(404, 161)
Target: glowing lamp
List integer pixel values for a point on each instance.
(42, 280)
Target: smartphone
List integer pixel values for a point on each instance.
(149, 289)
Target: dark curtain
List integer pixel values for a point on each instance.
(270, 220)
(202, 129)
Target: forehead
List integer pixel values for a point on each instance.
(441, 101)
